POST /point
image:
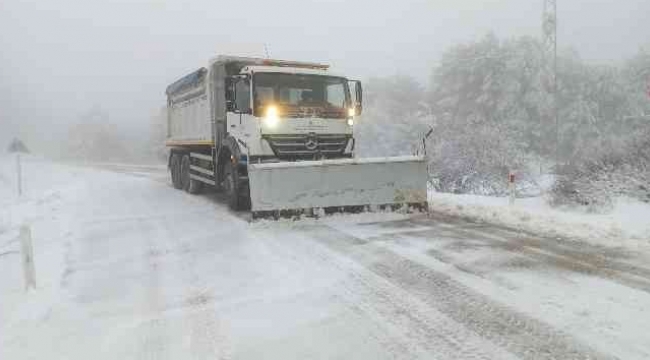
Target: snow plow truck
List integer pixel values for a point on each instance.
(277, 136)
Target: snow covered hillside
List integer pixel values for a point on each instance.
(129, 268)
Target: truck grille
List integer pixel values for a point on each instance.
(314, 112)
(307, 145)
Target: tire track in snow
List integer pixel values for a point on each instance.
(102, 267)
(568, 256)
(525, 337)
(173, 317)
(205, 337)
(153, 335)
(407, 327)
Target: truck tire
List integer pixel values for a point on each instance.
(185, 172)
(190, 185)
(175, 169)
(195, 187)
(231, 185)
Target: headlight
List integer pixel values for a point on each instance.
(351, 113)
(271, 117)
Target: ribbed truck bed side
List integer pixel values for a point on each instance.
(188, 111)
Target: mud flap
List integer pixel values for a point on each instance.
(338, 183)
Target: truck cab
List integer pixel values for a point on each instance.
(289, 112)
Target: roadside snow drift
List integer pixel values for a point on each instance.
(628, 225)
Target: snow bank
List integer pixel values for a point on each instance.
(628, 224)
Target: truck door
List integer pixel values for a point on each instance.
(241, 105)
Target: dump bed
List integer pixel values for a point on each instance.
(188, 109)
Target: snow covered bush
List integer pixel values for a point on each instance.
(605, 114)
(485, 99)
(475, 160)
(605, 170)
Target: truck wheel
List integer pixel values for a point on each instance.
(231, 185)
(190, 185)
(195, 187)
(185, 172)
(175, 169)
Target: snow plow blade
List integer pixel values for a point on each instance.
(335, 184)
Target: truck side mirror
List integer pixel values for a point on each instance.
(242, 91)
(230, 95)
(358, 96)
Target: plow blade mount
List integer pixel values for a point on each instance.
(337, 183)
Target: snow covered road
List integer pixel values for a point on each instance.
(129, 268)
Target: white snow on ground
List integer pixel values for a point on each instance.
(628, 224)
(129, 268)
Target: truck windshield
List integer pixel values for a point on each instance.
(326, 96)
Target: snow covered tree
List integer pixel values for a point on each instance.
(94, 138)
(491, 114)
(394, 117)
(485, 97)
(636, 73)
(606, 127)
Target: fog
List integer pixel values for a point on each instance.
(59, 59)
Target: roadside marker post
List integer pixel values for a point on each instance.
(19, 175)
(28, 257)
(511, 187)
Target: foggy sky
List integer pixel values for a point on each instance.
(59, 58)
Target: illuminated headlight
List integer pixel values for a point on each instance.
(351, 112)
(350, 121)
(271, 117)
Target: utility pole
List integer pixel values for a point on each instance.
(549, 42)
(266, 50)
